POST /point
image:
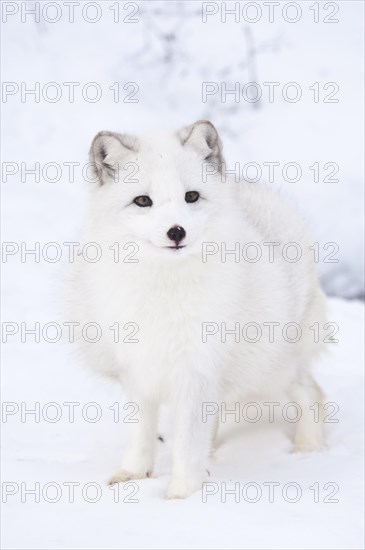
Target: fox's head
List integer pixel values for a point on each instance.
(161, 192)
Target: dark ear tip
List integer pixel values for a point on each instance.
(205, 126)
(204, 121)
(97, 148)
(210, 126)
(127, 141)
(103, 133)
(212, 135)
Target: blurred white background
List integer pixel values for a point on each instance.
(150, 62)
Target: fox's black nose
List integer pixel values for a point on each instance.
(176, 233)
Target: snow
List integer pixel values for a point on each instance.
(86, 452)
(169, 73)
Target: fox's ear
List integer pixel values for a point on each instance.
(108, 152)
(203, 136)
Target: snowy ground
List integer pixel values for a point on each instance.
(84, 452)
(169, 73)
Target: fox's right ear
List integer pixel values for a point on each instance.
(108, 152)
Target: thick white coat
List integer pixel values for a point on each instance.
(168, 299)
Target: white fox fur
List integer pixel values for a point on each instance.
(169, 294)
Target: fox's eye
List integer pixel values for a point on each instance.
(192, 196)
(143, 200)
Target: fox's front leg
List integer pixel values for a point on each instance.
(138, 459)
(192, 436)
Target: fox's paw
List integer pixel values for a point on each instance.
(309, 443)
(183, 487)
(308, 447)
(125, 475)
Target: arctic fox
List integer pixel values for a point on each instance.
(186, 253)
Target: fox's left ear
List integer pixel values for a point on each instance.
(203, 137)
